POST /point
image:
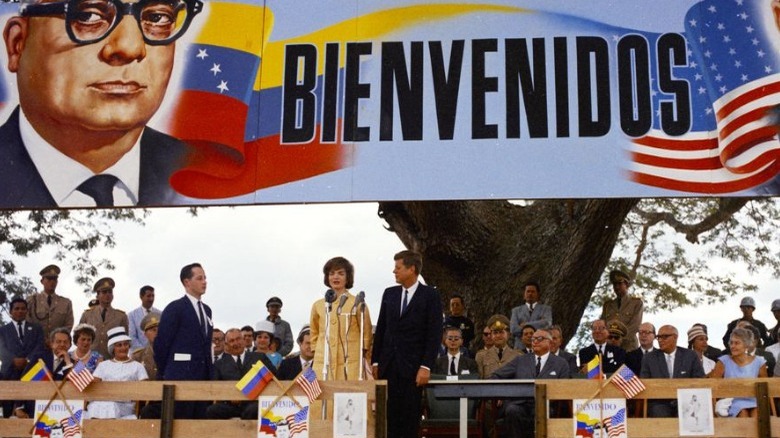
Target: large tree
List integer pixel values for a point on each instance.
(486, 250)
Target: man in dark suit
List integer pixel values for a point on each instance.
(79, 136)
(57, 361)
(182, 349)
(232, 366)
(20, 341)
(555, 348)
(612, 357)
(407, 337)
(294, 363)
(541, 364)
(682, 362)
(454, 363)
(646, 339)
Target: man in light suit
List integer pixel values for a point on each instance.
(541, 364)
(626, 308)
(84, 101)
(655, 365)
(104, 317)
(532, 313)
(182, 349)
(135, 316)
(454, 363)
(406, 342)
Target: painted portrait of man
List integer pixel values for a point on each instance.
(90, 75)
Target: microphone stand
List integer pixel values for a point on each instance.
(345, 342)
(326, 357)
(361, 311)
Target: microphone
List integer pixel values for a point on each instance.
(330, 296)
(359, 299)
(342, 300)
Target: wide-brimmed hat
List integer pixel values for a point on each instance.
(116, 334)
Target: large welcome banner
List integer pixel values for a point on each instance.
(288, 101)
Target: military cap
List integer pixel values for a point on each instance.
(617, 327)
(149, 321)
(616, 276)
(748, 302)
(775, 305)
(103, 283)
(498, 322)
(273, 300)
(50, 270)
(304, 331)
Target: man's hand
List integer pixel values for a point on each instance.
(423, 375)
(20, 363)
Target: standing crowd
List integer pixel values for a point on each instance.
(411, 341)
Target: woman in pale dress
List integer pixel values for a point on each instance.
(697, 341)
(121, 368)
(344, 337)
(739, 364)
(83, 336)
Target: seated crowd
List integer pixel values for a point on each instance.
(119, 346)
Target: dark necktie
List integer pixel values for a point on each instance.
(601, 353)
(216, 357)
(202, 317)
(100, 188)
(530, 309)
(48, 301)
(21, 331)
(538, 366)
(500, 353)
(619, 300)
(406, 301)
(103, 314)
(453, 371)
(238, 360)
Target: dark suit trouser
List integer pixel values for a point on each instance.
(404, 404)
(519, 417)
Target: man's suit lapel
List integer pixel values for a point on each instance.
(161, 157)
(394, 306)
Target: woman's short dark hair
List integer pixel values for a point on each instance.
(337, 263)
(84, 329)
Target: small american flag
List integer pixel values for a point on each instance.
(616, 424)
(80, 376)
(307, 380)
(628, 382)
(70, 425)
(298, 422)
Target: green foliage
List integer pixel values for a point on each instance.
(73, 234)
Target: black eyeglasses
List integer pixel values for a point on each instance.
(88, 21)
(615, 337)
(664, 336)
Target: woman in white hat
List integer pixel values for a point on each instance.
(121, 368)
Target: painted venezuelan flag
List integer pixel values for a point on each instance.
(254, 381)
(594, 368)
(38, 372)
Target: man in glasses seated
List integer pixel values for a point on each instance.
(90, 75)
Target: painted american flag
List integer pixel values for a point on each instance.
(80, 376)
(298, 422)
(733, 70)
(71, 425)
(628, 382)
(307, 380)
(616, 425)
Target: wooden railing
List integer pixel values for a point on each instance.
(765, 390)
(185, 391)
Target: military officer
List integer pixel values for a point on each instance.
(500, 353)
(626, 308)
(47, 308)
(104, 317)
(145, 355)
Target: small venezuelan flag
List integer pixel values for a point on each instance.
(38, 372)
(593, 368)
(254, 381)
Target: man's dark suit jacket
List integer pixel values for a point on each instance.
(634, 360)
(11, 347)
(570, 359)
(464, 363)
(58, 373)
(614, 357)
(410, 340)
(226, 367)
(289, 368)
(21, 186)
(179, 333)
(686, 365)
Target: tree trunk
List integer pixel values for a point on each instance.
(486, 250)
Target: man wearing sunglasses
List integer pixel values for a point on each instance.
(90, 75)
